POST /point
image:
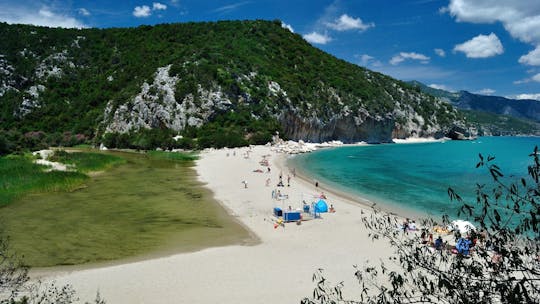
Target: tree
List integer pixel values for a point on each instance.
(503, 268)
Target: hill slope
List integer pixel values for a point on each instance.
(492, 115)
(223, 83)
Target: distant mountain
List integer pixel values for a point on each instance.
(492, 114)
(221, 83)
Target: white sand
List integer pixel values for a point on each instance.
(278, 270)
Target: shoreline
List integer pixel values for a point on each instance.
(357, 199)
(277, 269)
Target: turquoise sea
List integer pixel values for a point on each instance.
(416, 176)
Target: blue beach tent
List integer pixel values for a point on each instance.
(321, 206)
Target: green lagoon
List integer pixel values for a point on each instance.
(148, 206)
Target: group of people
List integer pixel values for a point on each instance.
(408, 225)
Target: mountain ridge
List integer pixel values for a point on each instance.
(492, 115)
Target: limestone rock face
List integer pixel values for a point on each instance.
(156, 106)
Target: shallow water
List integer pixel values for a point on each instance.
(144, 207)
(416, 176)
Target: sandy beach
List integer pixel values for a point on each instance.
(278, 269)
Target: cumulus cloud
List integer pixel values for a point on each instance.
(528, 96)
(413, 56)
(521, 18)
(486, 92)
(83, 11)
(536, 77)
(532, 58)
(142, 11)
(481, 46)
(43, 16)
(345, 23)
(156, 6)
(287, 26)
(317, 38)
(440, 52)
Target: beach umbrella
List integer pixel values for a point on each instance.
(462, 226)
(321, 206)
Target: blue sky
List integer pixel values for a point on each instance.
(490, 47)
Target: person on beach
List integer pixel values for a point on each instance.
(438, 243)
(288, 180)
(332, 210)
(245, 184)
(268, 170)
(406, 226)
(317, 184)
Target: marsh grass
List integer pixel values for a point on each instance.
(146, 206)
(176, 156)
(87, 161)
(20, 176)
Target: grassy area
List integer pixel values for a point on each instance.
(20, 176)
(87, 161)
(176, 156)
(144, 206)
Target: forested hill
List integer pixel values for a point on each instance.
(224, 83)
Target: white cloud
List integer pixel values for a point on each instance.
(413, 56)
(486, 92)
(156, 6)
(522, 81)
(532, 58)
(481, 46)
(43, 16)
(231, 7)
(521, 18)
(367, 60)
(142, 11)
(536, 77)
(83, 11)
(287, 26)
(440, 52)
(345, 23)
(317, 38)
(439, 87)
(424, 73)
(528, 96)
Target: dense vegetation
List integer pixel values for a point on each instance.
(20, 176)
(58, 82)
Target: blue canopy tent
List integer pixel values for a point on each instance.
(321, 206)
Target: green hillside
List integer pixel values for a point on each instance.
(223, 83)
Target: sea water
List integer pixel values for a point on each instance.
(416, 177)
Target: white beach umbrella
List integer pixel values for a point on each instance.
(461, 225)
